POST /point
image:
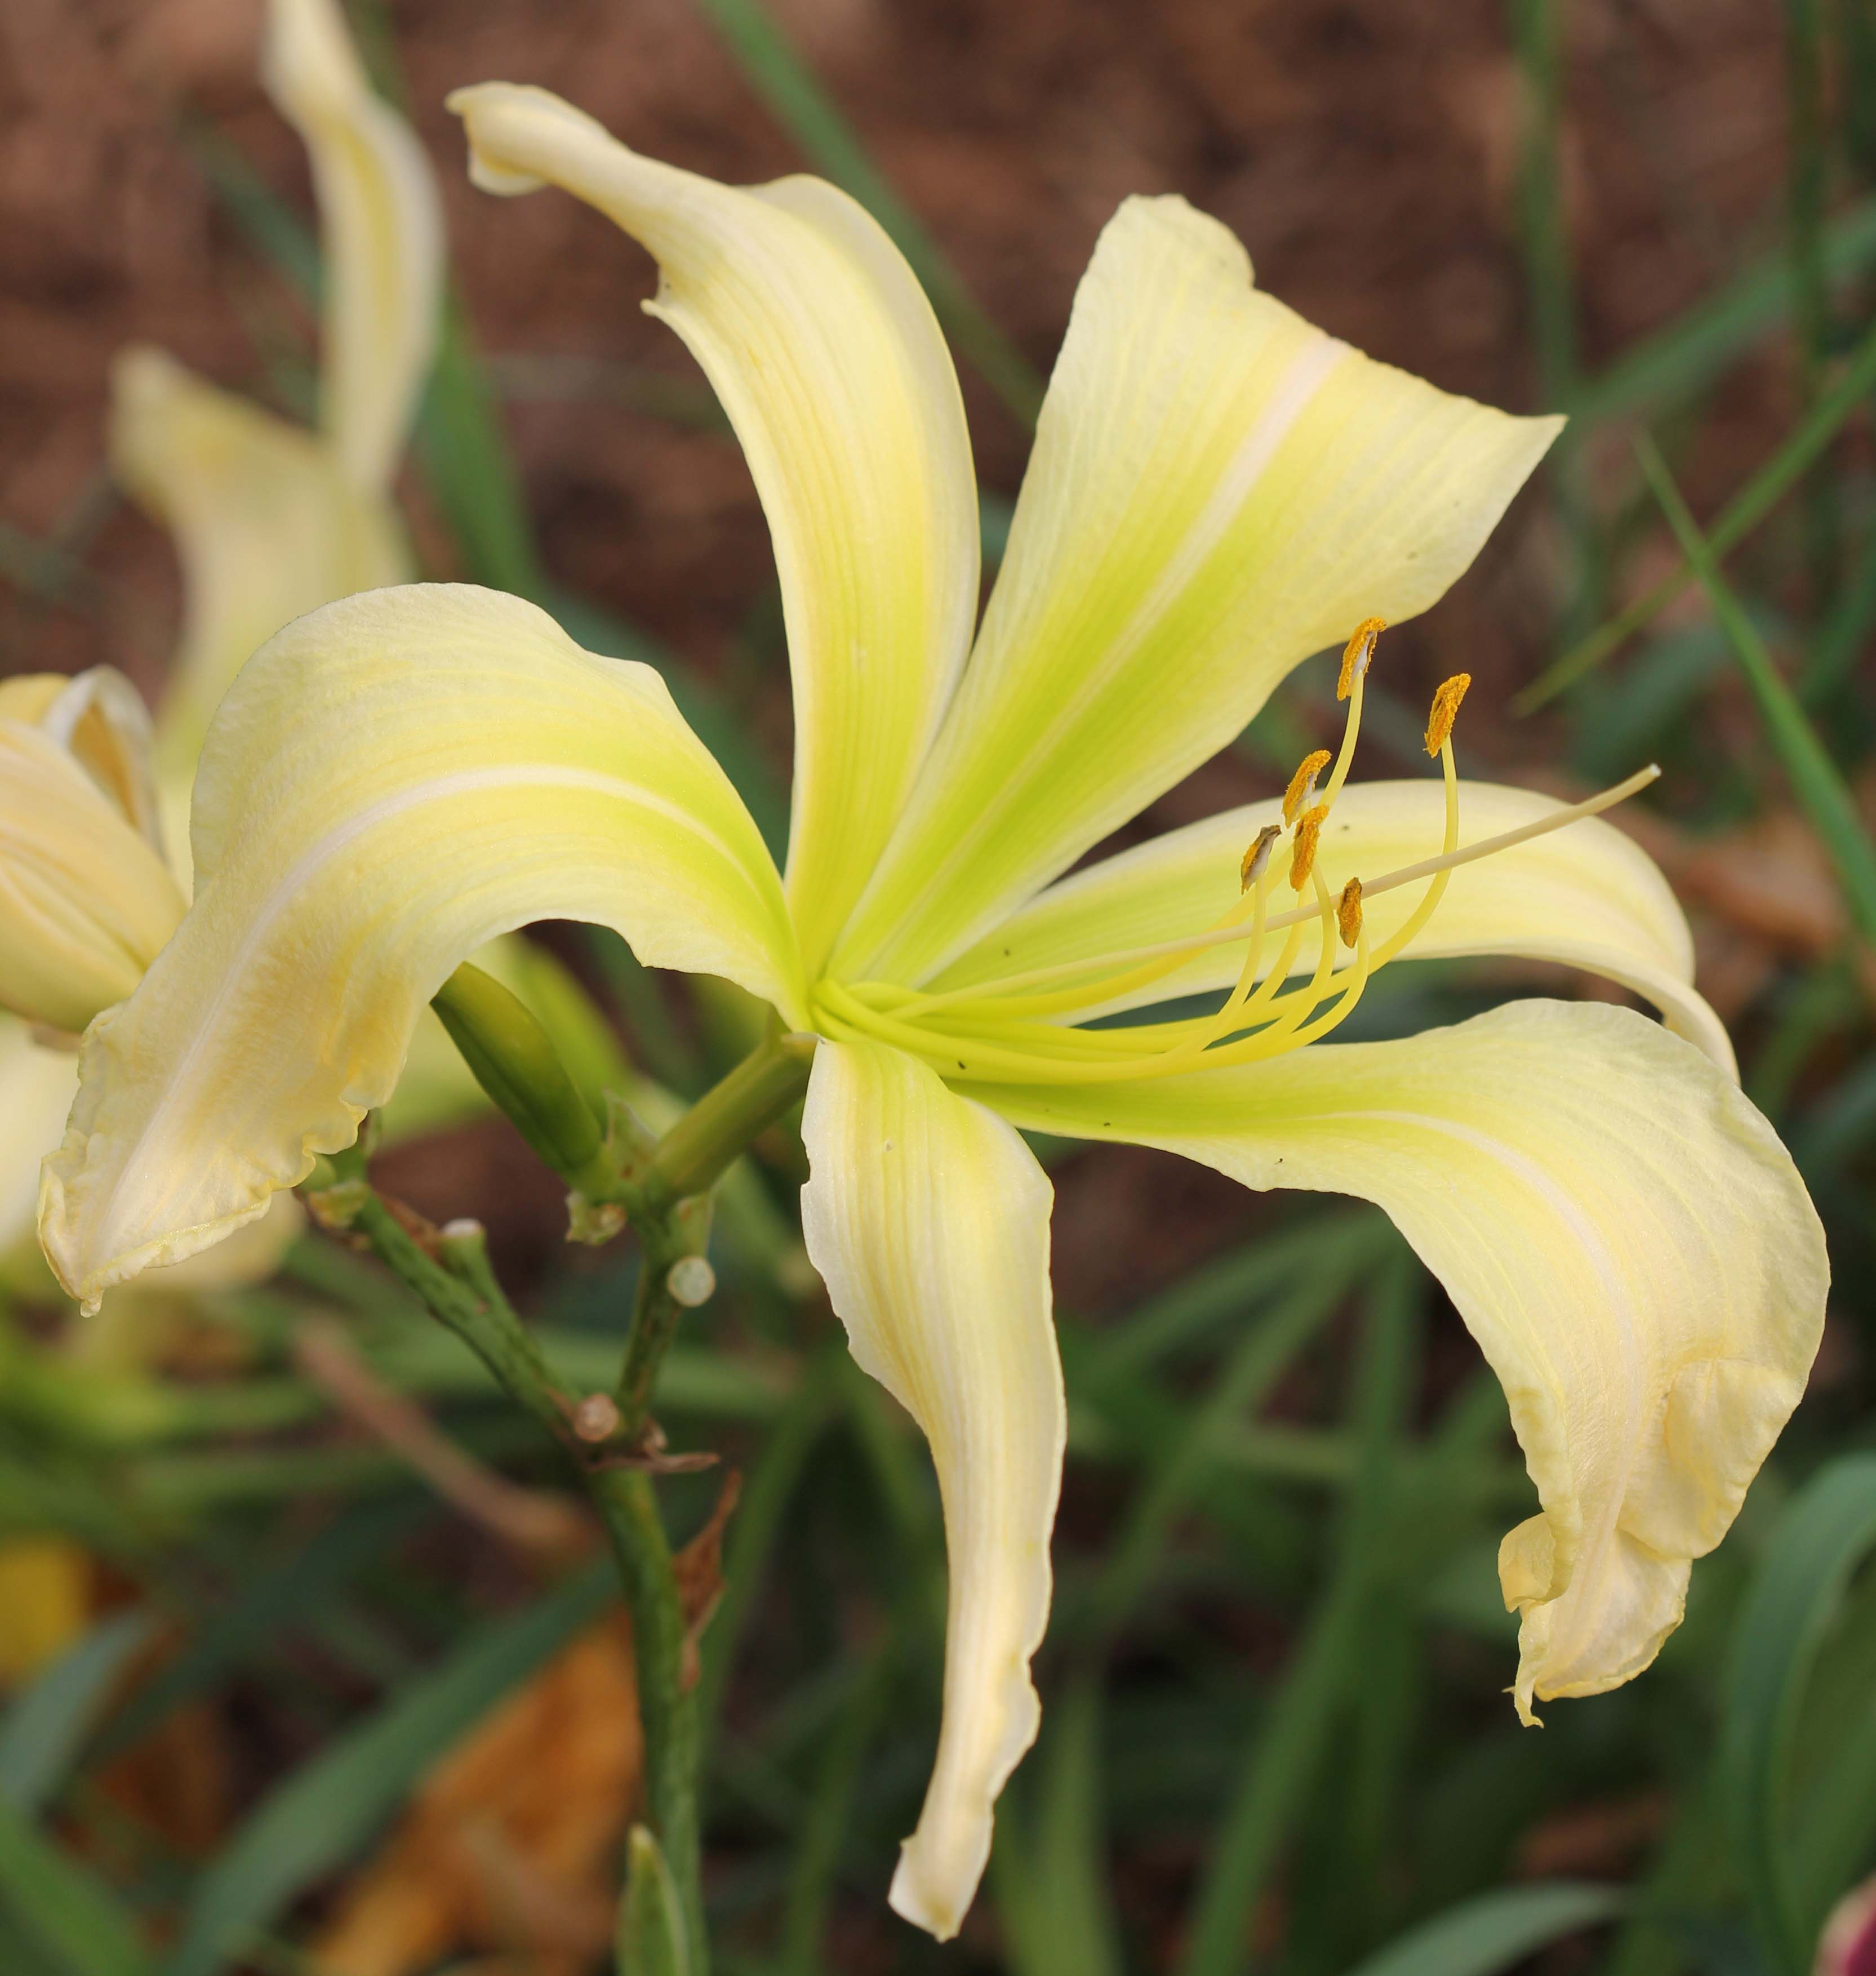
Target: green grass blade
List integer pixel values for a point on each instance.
(73, 1916)
(42, 1733)
(324, 1810)
(1285, 1757)
(1834, 1837)
(1807, 141)
(1815, 779)
(1550, 282)
(273, 229)
(795, 98)
(268, 1601)
(1220, 1292)
(1736, 520)
(1666, 369)
(470, 470)
(757, 1524)
(1189, 1458)
(814, 1871)
(1049, 1872)
(1843, 635)
(1822, 1536)
(1494, 1931)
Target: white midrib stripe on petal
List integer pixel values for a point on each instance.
(1305, 377)
(1309, 370)
(304, 868)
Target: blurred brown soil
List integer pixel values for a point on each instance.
(1364, 149)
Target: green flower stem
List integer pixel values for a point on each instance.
(460, 1289)
(667, 1694)
(695, 1155)
(665, 1194)
(668, 1206)
(464, 1295)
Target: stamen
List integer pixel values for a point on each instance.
(1348, 912)
(1302, 850)
(993, 990)
(1258, 857)
(1302, 790)
(1445, 710)
(1358, 655)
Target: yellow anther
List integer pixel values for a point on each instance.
(1302, 850)
(1348, 912)
(1302, 789)
(1358, 653)
(1258, 856)
(1446, 711)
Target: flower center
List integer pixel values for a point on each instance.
(1021, 1028)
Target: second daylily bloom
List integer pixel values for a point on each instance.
(270, 520)
(1217, 490)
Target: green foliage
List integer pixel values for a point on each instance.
(1800, 1587)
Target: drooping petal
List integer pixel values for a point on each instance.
(928, 1218)
(266, 526)
(37, 1084)
(392, 780)
(1217, 490)
(85, 900)
(1623, 1234)
(382, 230)
(1587, 897)
(828, 360)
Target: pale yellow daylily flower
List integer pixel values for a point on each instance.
(270, 521)
(1218, 491)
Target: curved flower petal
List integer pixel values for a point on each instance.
(85, 900)
(1217, 490)
(1587, 897)
(267, 527)
(100, 720)
(36, 1086)
(1622, 1232)
(829, 361)
(382, 230)
(392, 780)
(929, 1219)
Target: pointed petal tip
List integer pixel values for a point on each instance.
(87, 1268)
(914, 1898)
(484, 107)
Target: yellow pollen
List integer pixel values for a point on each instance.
(1445, 710)
(1358, 653)
(1258, 856)
(1302, 850)
(1348, 912)
(1303, 784)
